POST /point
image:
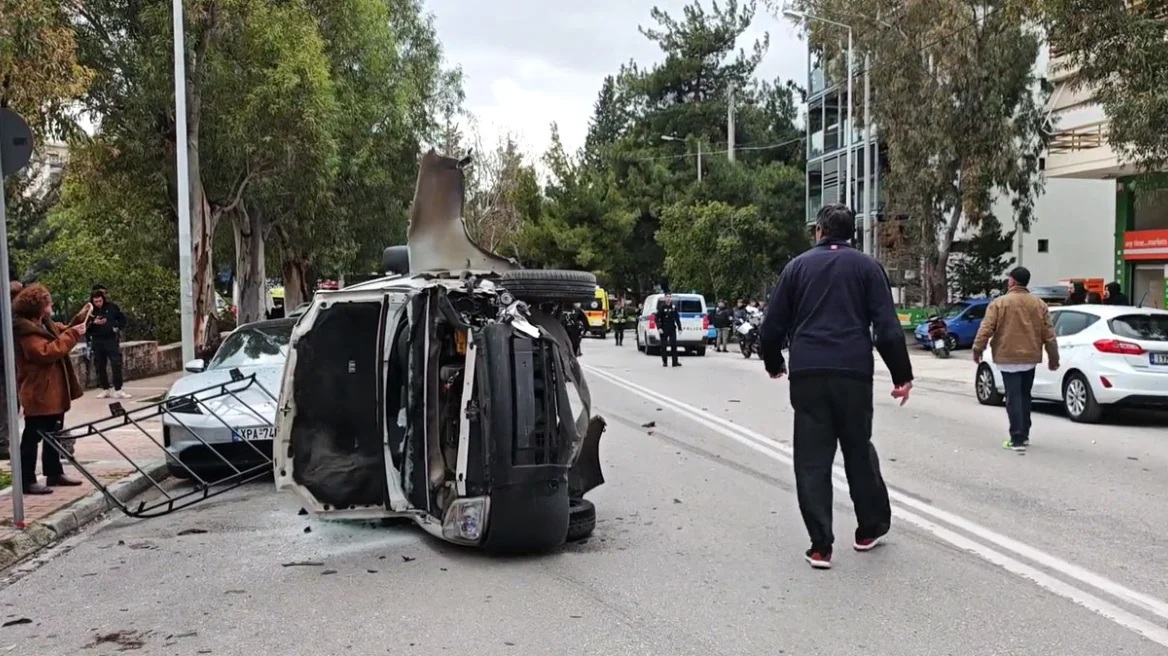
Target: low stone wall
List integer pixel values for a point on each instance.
(139, 360)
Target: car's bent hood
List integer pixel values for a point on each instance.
(227, 399)
(438, 238)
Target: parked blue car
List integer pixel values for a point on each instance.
(963, 319)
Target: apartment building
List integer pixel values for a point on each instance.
(1063, 241)
(1137, 217)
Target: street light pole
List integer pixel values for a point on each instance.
(869, 233)
(185, 270)
(851, 177)
(670, 137)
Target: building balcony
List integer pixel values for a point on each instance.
(1082, 152)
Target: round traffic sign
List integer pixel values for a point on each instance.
(15, 142)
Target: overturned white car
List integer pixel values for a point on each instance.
(446, 392)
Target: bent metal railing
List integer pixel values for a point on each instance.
(176, 413)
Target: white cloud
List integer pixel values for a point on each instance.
(527, 64)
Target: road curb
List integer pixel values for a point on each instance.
(76, 515)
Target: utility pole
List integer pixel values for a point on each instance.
(730, 122)
(185, 269)
(869, 238)
(850, 127)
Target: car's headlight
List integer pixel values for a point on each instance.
(183, 404)
(465, 520)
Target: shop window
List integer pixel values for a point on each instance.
(1043, 245)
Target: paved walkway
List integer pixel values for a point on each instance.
(103, 460)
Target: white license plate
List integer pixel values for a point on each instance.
(253, 433)
(1158, 358)
(938, 344)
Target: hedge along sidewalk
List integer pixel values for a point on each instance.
(50, 517)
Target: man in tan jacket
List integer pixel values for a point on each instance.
(1017, 327)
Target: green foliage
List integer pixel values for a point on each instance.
(1118, 51)
(605, 208)
(124, 245)
(959, 109)
(715, 247)
(981, 269)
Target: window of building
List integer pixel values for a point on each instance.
(1043, 245)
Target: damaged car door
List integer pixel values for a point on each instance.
(334, 440)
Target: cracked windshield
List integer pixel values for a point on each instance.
(662, 327)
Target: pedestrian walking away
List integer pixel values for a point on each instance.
(828, 304)
(45, 381)
(668, 323)
(723, 319)
(106, 324)
(1017, 327)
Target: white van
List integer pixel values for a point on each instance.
(695, 324)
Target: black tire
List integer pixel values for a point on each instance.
(942, 353)
(395, 260)
(951, 343)
(581, 519)
(701, 350)
(985, 388)
(1079, 401)
(549, 285)
(746, 350)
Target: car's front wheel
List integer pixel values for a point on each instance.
(1079, 400)
(984, 386)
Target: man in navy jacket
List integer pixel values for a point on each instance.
(827, 306)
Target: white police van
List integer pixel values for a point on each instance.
(695, 324)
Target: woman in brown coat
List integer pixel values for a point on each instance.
(45, 381)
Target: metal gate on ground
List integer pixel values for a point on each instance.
(198, 421)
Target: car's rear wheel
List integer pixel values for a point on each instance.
(549, 285)
(581, 519)
(984, 386)
(701, 350)
(1079, 400)
(951, 342)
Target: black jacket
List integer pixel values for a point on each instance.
(668, 319)
(115, 322)
(825, 307)
(723, 318)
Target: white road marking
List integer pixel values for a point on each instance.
(902, 503)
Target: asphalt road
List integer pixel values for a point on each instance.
(698, 550)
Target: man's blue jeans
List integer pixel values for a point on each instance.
(1018, 385)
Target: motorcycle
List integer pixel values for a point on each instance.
(938, 333)
(747, 330)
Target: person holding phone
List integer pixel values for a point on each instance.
(46, 383)
(106, 323)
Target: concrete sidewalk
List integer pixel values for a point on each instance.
(47, 518)
(955, 373)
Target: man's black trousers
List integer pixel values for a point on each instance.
(619, 335)
(668, 343)
(831, 409)
(106, 350)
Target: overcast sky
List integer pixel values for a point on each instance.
(528, 63)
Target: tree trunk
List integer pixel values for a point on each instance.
(296, 285)
(249, 264)
(203, 224)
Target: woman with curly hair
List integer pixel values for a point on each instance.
(45, 381)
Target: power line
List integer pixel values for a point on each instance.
(772, 146)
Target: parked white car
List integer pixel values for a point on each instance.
(218, 426)
(1110, 356)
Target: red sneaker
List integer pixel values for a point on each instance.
(867, 544)
(817, 559)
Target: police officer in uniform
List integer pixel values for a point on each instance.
(668, 323)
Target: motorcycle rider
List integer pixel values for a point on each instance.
(723, 318)
(668, 323)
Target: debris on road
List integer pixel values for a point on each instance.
(649, 424)
(192, 531)
(17, 622)
(306, 563)
(125, 640)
